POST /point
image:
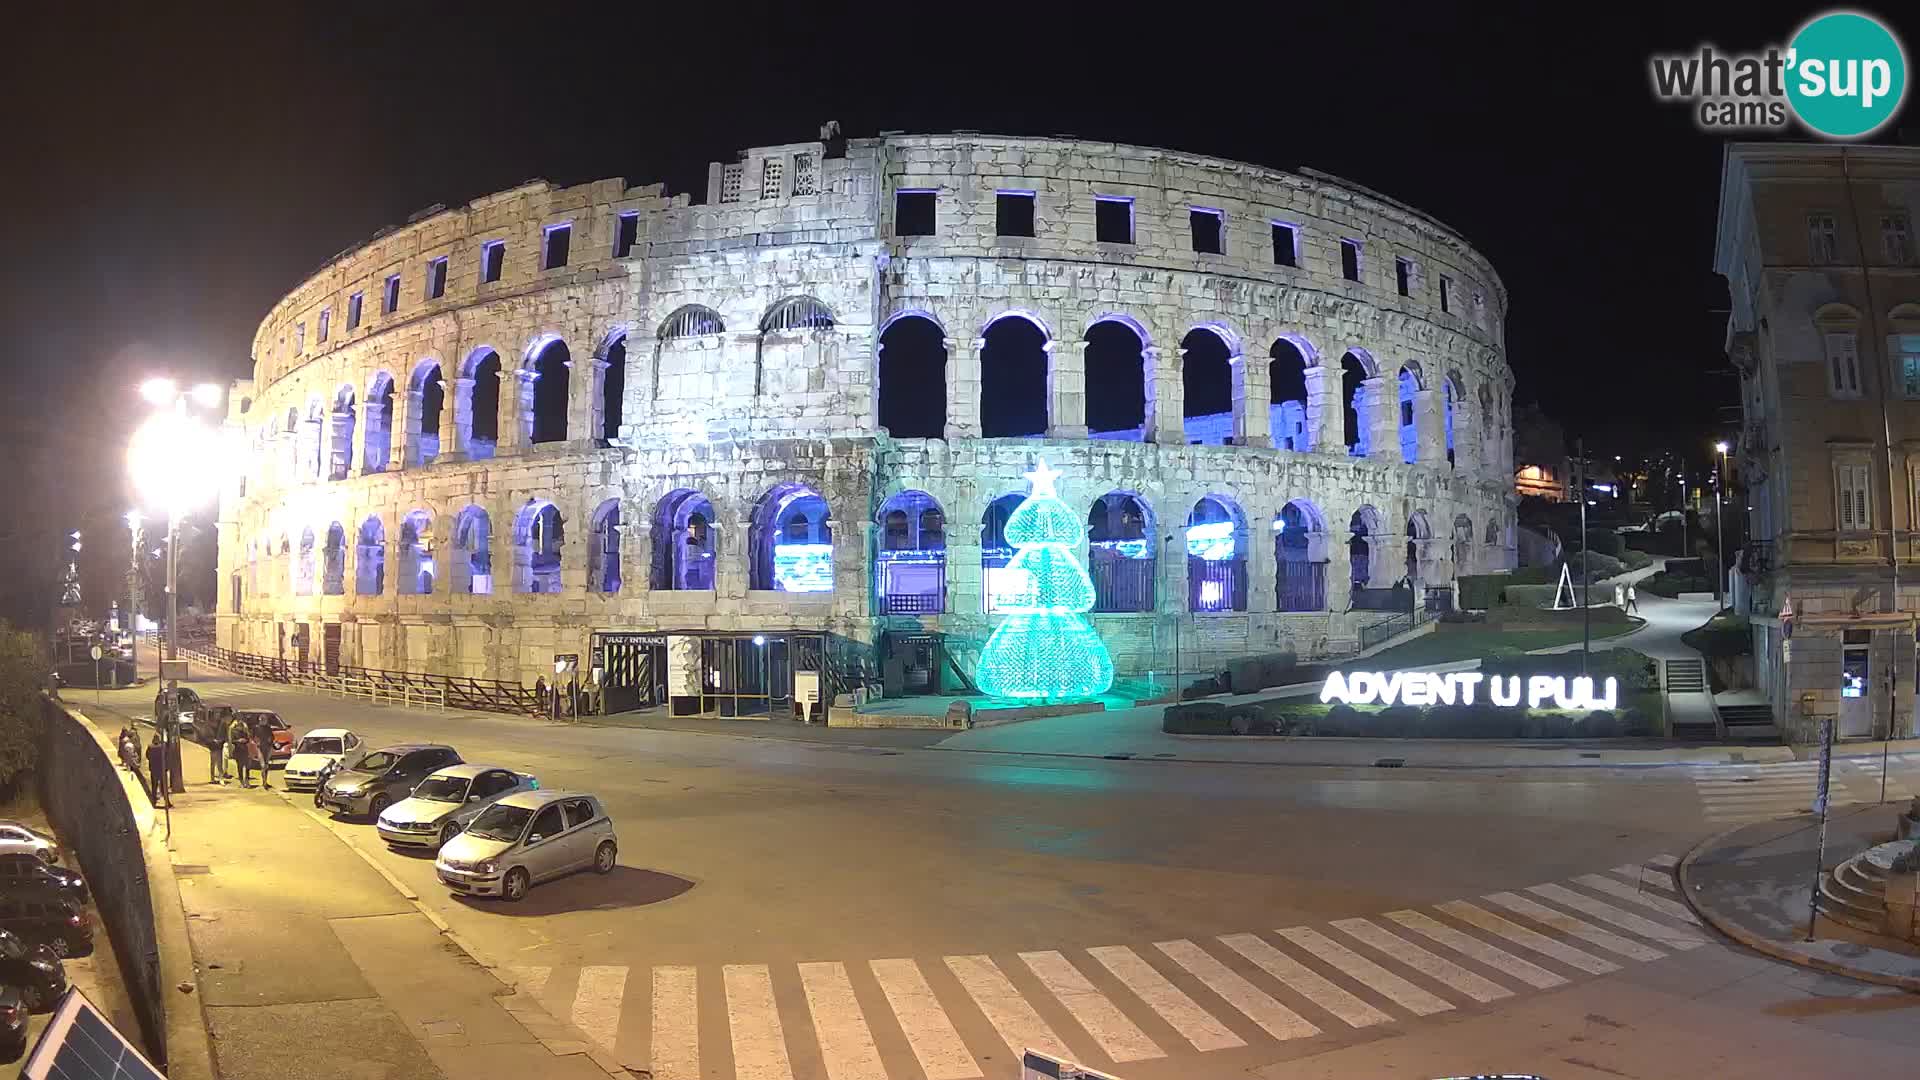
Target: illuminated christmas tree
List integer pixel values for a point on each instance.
(1045, 649)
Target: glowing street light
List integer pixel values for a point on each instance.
(1719, 532)
(174, 461)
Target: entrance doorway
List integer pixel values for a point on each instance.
(330, 647)
(635, 670)
(911, 664)
(1856, 686)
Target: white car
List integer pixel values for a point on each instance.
(17, 837)
(526, 838)
(442, 804)
(318, 753)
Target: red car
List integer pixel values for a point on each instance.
(282, 734)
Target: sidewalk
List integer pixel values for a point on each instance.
(314, 963)
(1752, 884)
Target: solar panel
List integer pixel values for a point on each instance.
(79, 1043)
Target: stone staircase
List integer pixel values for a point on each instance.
(1855, 892)
(1686, 676)
(1748, 721)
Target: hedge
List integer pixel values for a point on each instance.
(1536, 596)
(1478, 592)
(1477, 721)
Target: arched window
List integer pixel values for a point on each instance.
(476, 405)
(1216, 556)
(910, 569)
(791, 335)
(377, 444)
(1118, 383)
(538, 533)
(996, 552)
(1355, 370)
(1409, 385)
(691, 320)
(1300, 557)
(796, 313)
(1490, 455)
(683, 542)
(1293, 428)
(340, 435)
(912, 373)
(1206, 375)
(1462, 545)
(603, 551)
(1418, 533)
(416, 553)
(472, 562)
(1362, 550)
(312, 434)
(551, 368)
(429, 394)
(613, 388)
(1456, 399)
(1122, 553)
(792, 541)
(370, 559)
(1014, 378)
(333, 562)
(289, 562)
(303, 566)
(293, 435)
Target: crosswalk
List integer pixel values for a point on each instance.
(228, 693)
(1730, 794)
(966, 1016)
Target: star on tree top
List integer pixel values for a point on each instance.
(1042, 479)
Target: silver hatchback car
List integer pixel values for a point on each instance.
(526, 838)
(443, 803)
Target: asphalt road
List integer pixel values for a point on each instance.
(807, 909)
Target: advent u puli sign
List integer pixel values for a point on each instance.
(1464, 687)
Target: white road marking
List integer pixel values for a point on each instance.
(1673, 937)
(676, 1023)
(1274, 1018)
(1304, 981)
(596, 1004)
(1579, 928)
(1520, 935)
(1468, 945)
(942, 1054)
(1194, 1024)
(1005, 1009)
(1366, 972)
(846, 1044)
(1661, 904)
(759, 1046)
(1120, 1038)
(1422, 961)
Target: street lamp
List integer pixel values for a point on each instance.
(133, 594)
(174, 461)
(1719, 532)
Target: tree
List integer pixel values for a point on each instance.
(1045, 650)
(23, 670)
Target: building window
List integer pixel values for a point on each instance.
(437, 278)
(390, 298)
(1446, 293)
(626, 233)
(1209, 229)
(1013, 213)
(1823, 239)
(913, 213)
(1403, 276)
(559, 243)
(325, 329)
(1855, 485)
(493, 259)
(1286, 244)
(299, 338)
(806, 181)
(1350, 259)
(1906, 349)
(730, 183)
(1112, 219)
(354, 304)
(1897, 233)
(1843, 364)
(772, 172)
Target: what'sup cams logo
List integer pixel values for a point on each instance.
(1842, 76)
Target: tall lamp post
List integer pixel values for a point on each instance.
(133, 595)
(1719, 531)
(173, 459)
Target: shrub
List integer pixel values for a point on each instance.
(23, 671)
(1598, 565)
(1605, 542)
(1481, 591)
(1671, 585)
(1530, 596)
(1534, 575)
(1196, 718)
(1635, 560)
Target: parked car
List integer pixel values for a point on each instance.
(15, 836)
(210, 723)
(46, 917)
(13, 1024)
(39, 975)
(19, 870)
(445, 802)
(526, 838)
(317, 754)
(382, 778)
(282, 734)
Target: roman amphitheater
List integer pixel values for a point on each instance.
(716, 447)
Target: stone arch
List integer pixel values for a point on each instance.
(796, 313)
(470, 566)
(610, 386)
(1207, 361)
(303, 564)
(996, 552)
(603, 549)
(910, 376)
(1462, 545)
(426, 394)
(1300, 553)
(691, 320)
(370, 558)
(1490, 456)
(910, 563)
(1217, 550)
(340, 433)
(476, 408)
(789, 322)
(333, 562)
(1294, 412)
(1119, 385)
(415, 577)
(545, 390)
(1365, 549)
(1357, 370)
(1016, 376)
(1122, 552)
(376, 443)
(288, 565)
(313, 439)
(539, 536)
(1408, 385)
(1419, 532)
(684, 539)
(790, 541)
(1457, 413)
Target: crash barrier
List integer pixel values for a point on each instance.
(410, 688)
(76, 779)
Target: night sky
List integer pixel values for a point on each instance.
(169, 176)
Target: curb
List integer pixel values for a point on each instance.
(1766, 947)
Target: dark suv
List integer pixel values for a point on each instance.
(34, 969)
(45, 917)
(382, 778)
(20, 871)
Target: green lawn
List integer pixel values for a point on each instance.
(1473, 641)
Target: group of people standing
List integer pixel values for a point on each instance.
(236, 746)
(250, 748)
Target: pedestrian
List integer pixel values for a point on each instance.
(237, 749)
(263, 744)
(157, 770)
(1620, 597)
(540, 691)
(215, 772)
(1633, 600)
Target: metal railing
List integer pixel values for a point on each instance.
(407, 688)
(1393, 626)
